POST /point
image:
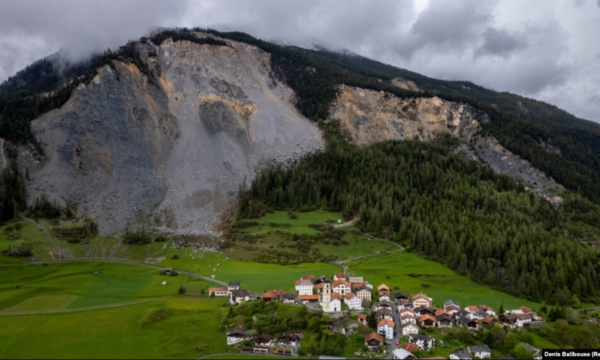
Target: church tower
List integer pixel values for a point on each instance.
(326, 296)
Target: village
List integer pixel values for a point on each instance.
(392, 323)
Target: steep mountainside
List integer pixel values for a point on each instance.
(173, 150)
(168, 127)
(371, 117)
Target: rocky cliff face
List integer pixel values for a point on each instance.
(173, 151)
(372, 116)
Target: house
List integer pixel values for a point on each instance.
(488, 310)
(462, 313)
(383, 288)
(218, 291)
(288, 339)
(384, 297)
(516, 320)
(238, 296)
(339, 276)
(535, 352)
(471, 324)
(402, 354)
(382, 305)
(233, 285)
(425, 310)
(480, 314)
(443, 321)
(426, 321)
(472, 309)
(353, 302)
(460, 354)
(319, 287)
(424, 342)
(408, 319)
(441, 312)
(384, 313)
(410, 347)
(421, 300)
(451, 306)
(305, 299)
(488, 321)
(236, 335)
(282, 351)
(304, 287)
(386, 328)
(273, 295)
(338, 326)
(480, 351)
(407, 305)
(405, 311)
(341, 287)
(289, 298)
(526, 310)
(409, 328)
(363, 293)
(401, 298)
(499, 325)
(355, 280)
(168, 270)
(262, 343)
(307, 277)
(362, 319)
(373, 341)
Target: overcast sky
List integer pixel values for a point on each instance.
(545, 49)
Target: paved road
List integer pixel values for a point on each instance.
(126, 262)
(398, 335)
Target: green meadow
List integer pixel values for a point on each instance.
(172, 328)
(59, 286)
(281, 221)
(252, 276)
(409, 273)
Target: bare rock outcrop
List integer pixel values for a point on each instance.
(174, 150)
(371, 116)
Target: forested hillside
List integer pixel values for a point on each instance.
(447, 208)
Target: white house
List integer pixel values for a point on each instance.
(384, 297)
(218, 291)
(480, 351)
(364, 294)
(237, 335)
(233, 285)
(424, 342)
(401, 354)
(339, 276)
(460, 354)
(421, 300)
(341, 287)
(238, 296)
(304, 287)
(353, 302)
(335, 305)
(408, 319)
(386, 328)
(409, 328)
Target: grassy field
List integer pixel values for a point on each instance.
(279, 221)
(396, 269)
(73, 285)
(172, 328)
(253, 276)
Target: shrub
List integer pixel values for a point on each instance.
(293, 215)
(174, 273)
(182, 290)
(21, 249)
(425, 285)
(77, 234)
(175, 257)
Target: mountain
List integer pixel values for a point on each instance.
(168, 127)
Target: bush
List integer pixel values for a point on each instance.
(182, 290)
(78, 234)
(293, 215)
(175, 257)
(425, 285)
(160, 238)
(21, 249)
(138, 236)
(174, 273)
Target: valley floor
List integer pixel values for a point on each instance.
(100, 308)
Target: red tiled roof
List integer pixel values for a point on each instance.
(339, 282)
(349, 296)
(339, 275)
(387, 322)
(215, 289)
(426, 317)
(336, 296)
(420, 295)
(410, 347)
(525, 309)
(362, 316)
(488, 319)
(473, 308)
(440, 312)
(307, 277)
(374, 336)
(309, 297)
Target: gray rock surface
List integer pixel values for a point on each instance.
(173, 151)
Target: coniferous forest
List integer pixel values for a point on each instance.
(447, 208)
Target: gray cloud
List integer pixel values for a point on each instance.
(544, 49)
